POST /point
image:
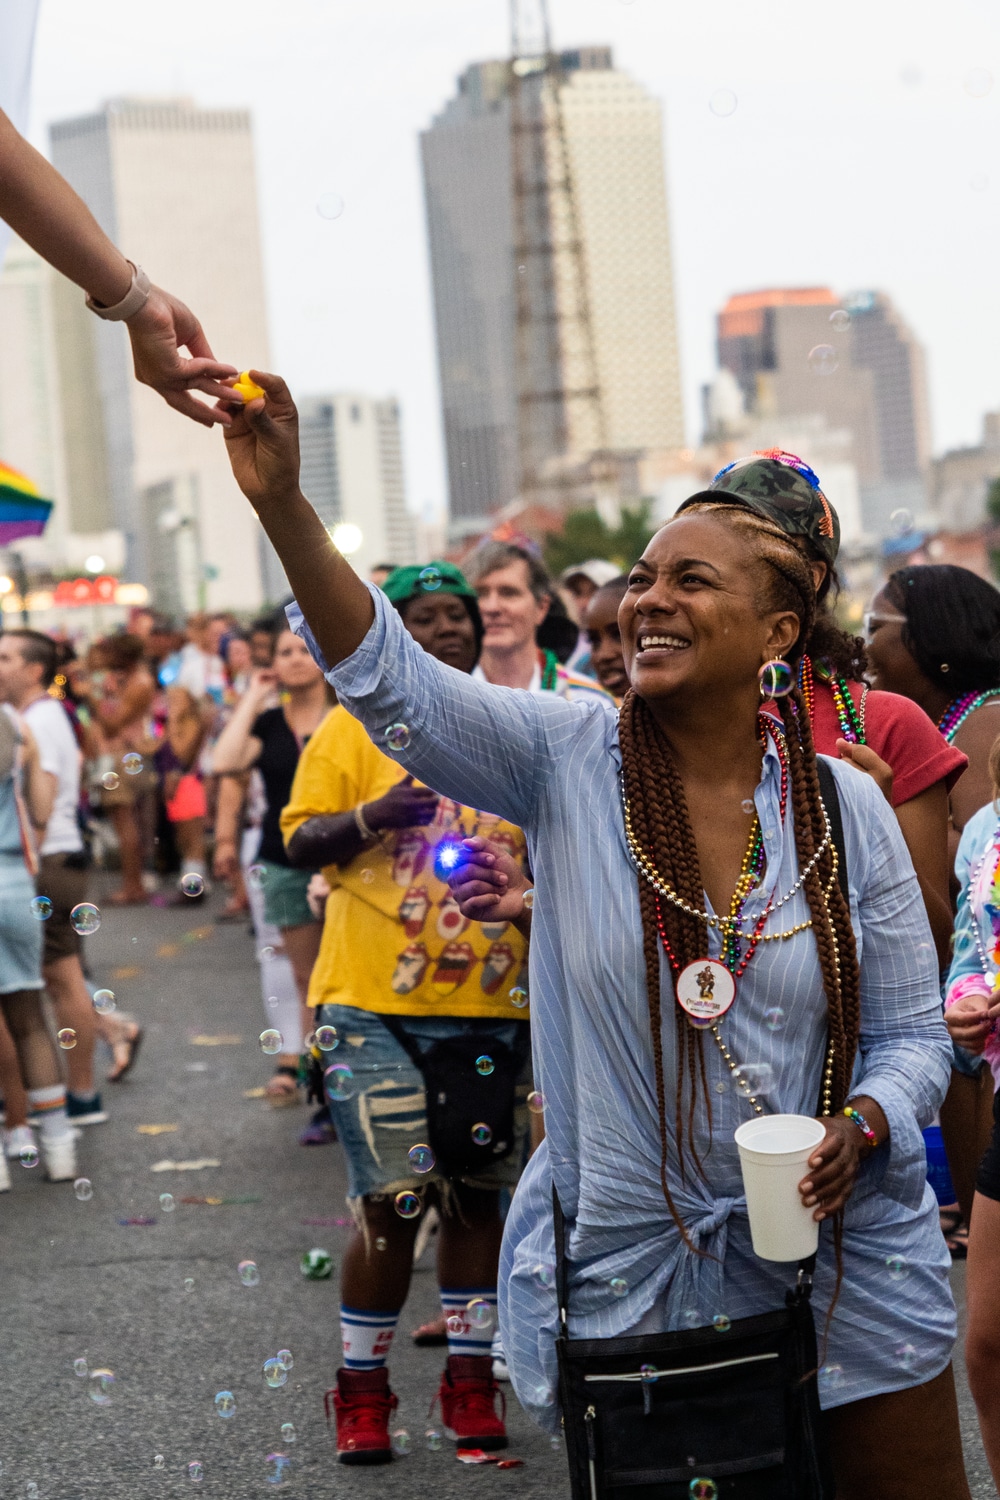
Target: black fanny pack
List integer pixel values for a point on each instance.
(668, 1416)
(470, 1113)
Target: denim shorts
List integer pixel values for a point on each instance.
(285, 903)
(966, 1063)
(386, 1114)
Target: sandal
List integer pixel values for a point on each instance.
(955, 1231)
(283, 1087)
(129, 1044)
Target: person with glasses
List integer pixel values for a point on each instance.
(932, 637)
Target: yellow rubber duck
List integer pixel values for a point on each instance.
(248, 388)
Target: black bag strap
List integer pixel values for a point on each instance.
(831, 801)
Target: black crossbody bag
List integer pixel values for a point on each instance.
(648, 1415)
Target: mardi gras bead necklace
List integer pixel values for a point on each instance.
(550, 671)
(850, 718)
(959, 709)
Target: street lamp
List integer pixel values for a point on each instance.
(95, 563)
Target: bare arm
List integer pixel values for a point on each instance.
(337, 838)
(263, 446)
(237, 749)
(185, 727)
(923, 822)
(39, 786)
(228, 808)
(44, 210)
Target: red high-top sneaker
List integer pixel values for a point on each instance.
(468, 1395)
(363, 1403)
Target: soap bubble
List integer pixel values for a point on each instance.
(339, 1082)
(407, 1205)
(288, 1432)
(225, 1404)
(901, 521)
(329, 205)
(102, 1383)
(368, 876)
(316, 1265)
(104, 1002)
(275, 1373)
(430, 579)
(266, 952)
(278, 1465)
(111, 781)
(257, 875)
(66, 1037)
(285, 1356)
(978, 82)
(481, 1134)
(396, 737)
(979, 182)
(823, 359)
(691, 1317)
(907, 1357)
(28, 1156)
(84, 1189)
(131, 763)
(85, 918)
(748, 806)
(721, 1323)
(421, 1158)
(756, 1078)
(840, 320)
(776, 679)
(381, 1243)
(774, 1019)
(544, 1275)
(401, 1442)
(196, 1471)
(529, 899)
(433, 1439)
(897, 1268)
(80, 1367)
(326, 1038)
(455, 1324)
(248, 1273)
(189, 1283)
(193, 884)
(518, 997)
(619, 1286)
(831, 1377)
(159, 1462)
(480, 1314)
(484, 1065)
(41, 908)
(32, 1490)
(167, 1202)
(647, 1374)
(722, 103)
(536, 1102)
(271, 1042)
(703, 1489)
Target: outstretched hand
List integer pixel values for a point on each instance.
(159, 331)
(488, 882)
(262, 440)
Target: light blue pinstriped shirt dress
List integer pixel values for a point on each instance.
(553, 768)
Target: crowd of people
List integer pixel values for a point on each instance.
(555, 884)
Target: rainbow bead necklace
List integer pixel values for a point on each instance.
(850, 719)
(959, 709)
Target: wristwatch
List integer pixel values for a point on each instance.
(133, 301)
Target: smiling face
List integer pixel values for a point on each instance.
(600, 623)
(695, 621)
(443, 626)
(891, 664)
(511, 613)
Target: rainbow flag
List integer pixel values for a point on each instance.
(23, 512)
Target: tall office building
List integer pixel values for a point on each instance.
(614, 152)
(174, 186)
(352, 471)
(799, 352)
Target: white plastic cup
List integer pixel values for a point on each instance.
(773, 1151)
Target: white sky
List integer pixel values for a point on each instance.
(855, 158)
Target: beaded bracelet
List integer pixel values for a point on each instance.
(863, 1125)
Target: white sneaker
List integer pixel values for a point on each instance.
(59, 1157)
(14, 1141)
(4, 1174)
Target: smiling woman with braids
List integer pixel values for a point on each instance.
(689, 829)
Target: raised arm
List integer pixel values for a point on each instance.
(237, 749)
(44, 210)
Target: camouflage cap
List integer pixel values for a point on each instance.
(782, 489)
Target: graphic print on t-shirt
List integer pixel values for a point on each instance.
(413, 910)
(453, 968)
(411, 966)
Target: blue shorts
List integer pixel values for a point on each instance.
(386, 1114)
(20, 932)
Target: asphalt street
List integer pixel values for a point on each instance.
(156, 1297)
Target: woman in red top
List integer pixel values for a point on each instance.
(883, 733)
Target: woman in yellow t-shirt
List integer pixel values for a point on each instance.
(413, 1001)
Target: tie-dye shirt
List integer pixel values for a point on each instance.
(977, 869)
(394, 940)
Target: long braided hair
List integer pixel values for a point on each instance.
(655, 794)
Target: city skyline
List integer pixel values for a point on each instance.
(886, 135)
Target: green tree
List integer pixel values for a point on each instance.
(586, 535)
(993, 511)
